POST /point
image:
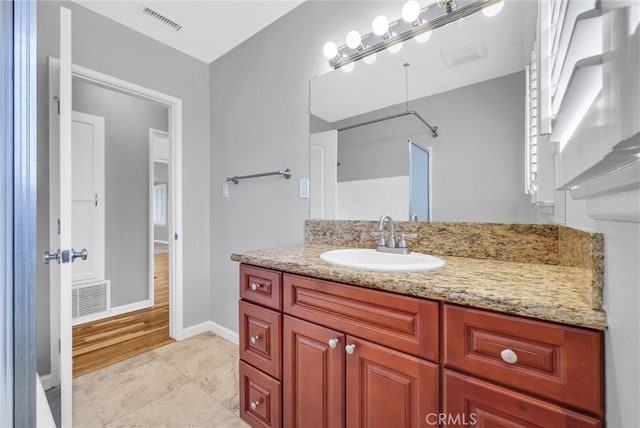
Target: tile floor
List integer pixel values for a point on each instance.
(189, 383)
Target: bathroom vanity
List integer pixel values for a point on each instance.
(483, 341)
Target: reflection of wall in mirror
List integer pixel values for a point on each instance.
(478, 172)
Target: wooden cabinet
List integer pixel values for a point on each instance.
(314, 373)
(316, 353)
(472, 402)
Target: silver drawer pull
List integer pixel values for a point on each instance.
(508, 356)
(254, 339)
(350, 349)
(333, 343)
(255, 286)
(254, 405)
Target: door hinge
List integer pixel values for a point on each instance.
(58, 345)
(96, 200)
(175, 236)
(58, 226)
(57, 101)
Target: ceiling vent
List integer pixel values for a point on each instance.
(462, 53)
(158, 17)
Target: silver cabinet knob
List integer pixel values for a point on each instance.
(255, 286)
(333, 343)
(508, 356)
(350, 349)
(254, 405)
(254, 339)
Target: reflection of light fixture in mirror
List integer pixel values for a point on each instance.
(395, 48)
(493, 10)
(348, 68)
(386, 35)
(422, 38)
(370, 59)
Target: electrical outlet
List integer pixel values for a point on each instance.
(303, 188)
(225, 190)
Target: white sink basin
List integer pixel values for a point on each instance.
(371, 259)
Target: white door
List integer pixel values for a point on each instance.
(88, 205)
(60, 213)
(324, 175)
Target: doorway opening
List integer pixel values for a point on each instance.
(150, 293)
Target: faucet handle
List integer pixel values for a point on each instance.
(380, 235)
(403, 239)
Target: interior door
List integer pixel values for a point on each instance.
(60, 254)
(324, 175)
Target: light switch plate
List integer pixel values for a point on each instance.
(303, 188)
(225, 190)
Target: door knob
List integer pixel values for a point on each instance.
(333, 343)
(82, 254)
(47, 257)
(254, 339)
(509, 356)
(255, 286)
(254, 405)
(350, 349)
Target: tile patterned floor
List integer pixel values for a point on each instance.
(192, 383)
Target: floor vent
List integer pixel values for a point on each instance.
(157, 16)
(89, 300)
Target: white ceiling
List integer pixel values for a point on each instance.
(210, 27)
(508, 38)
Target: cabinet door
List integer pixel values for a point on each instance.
(472, 402)
(313, 375)
(386, 388)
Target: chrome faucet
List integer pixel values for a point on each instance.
(389, 244)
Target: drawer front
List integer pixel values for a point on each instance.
(260, 398)
(261, 286)
(472, 402)
(404, 323)
(554, 361)
(261, 338)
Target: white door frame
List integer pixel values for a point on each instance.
(174, 106)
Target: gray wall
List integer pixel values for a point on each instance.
(127, 122)
(103, 45)
(477, 167)
(259, 123)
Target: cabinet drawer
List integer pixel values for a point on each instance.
(472, 402)
(260, 398)
(404, 323)
(261, 286)
(261, 338)
(557, 362)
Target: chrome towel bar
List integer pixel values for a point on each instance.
(285, 173)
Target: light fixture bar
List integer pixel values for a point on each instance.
(432, 16)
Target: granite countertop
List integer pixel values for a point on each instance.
(547, 292)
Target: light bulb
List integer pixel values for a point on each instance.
(380, 25)
(370, 59)
(348, 68)
(395, 48)
(423, 37)
(411, 11)
(494, 9)
(330, 50)
(353, 39)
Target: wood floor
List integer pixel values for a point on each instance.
(102, 343)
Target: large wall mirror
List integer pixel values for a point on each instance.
(468, 79)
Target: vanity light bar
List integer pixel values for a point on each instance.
(430, 18)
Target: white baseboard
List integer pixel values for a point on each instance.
(119, 310)
(45, 380)
(210, 326)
